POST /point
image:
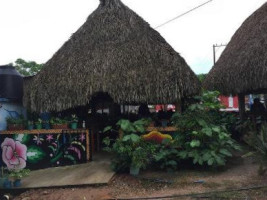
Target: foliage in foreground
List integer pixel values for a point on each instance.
(203, 134)
(202, 139)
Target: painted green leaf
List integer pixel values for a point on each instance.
(22, 138)
(35, 154)
(71, 158)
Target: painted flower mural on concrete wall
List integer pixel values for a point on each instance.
(14, 154)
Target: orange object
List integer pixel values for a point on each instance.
(156, 136)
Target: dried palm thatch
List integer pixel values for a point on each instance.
(242, 67)
(114, 51)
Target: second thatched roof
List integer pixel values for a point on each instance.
(242, 67)
(114, 51)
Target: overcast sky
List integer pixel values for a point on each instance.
(35, 29)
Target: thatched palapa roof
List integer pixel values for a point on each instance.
(242, 67)
(114, 51)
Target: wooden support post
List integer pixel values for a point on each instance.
(88, 143)
(178, 106)
(241, 104)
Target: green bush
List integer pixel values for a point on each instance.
(166, 156)
(202, 138)
(203, 134)
(129, 151)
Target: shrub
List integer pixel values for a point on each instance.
(204, 138)
(129, 151)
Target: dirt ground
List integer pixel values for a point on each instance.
(240, 172)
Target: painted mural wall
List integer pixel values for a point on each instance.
(37, 151)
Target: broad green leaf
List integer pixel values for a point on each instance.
(210, 161)
(206, 156)
(106, 141)
(219, 160)
(216, 129)
(195, 143)
(139, 128)
(195, 133)
(106, 129)
(225, 152)
(183, 154)
(135, 138)
(132, 137)
(207, 131)
(201, 122)
(125, 125)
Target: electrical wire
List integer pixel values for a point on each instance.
(181, 15)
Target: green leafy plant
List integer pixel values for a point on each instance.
(13, 120)
(167, 155)
(39, 121)
(204, 139)
(261, 140)
(30, 123)
(128, 127)
(74, 118)
(258, 141)
(130, 151)
(57, 120)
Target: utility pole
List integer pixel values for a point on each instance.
(214, 50)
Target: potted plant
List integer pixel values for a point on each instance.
(17, 175)
(74, 122)
(38, 124)
(58, 123)
(46, 125)
(30, 125)
(139, 160)
(15, 123)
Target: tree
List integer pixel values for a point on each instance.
(201, 77)
(27, 68)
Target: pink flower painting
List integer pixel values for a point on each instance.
(14, 154)
(82, 137)
(49, 138)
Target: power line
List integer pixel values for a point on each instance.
(173, 19)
